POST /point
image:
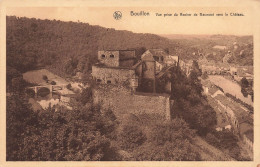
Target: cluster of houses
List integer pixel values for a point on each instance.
(230, 115)
(236, 72)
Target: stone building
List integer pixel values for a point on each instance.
(152, 62)
(112, 75)
(114, 67)
(119, 75)
(120, 67)
(117, 58)
(237, 115)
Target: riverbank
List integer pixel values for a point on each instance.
(230, 87)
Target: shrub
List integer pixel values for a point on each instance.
(45, 78)
(53, 82)
(225, 141)
(30, 92)
(131, 136)
(69, 86)
(86, 96)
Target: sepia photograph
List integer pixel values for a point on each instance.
(122, 83)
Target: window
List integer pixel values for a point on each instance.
(108, 82)
(112, 56)
(103, 56)
(98, 80)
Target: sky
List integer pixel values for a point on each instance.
(103, 16)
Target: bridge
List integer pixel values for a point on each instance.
(52, 88)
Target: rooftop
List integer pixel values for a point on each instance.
(240, 113)
(213, 89)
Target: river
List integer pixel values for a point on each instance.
(230, 87)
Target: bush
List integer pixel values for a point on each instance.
(69, 86)
(30, 92)
(131, 136)
(204, 75)
(18, 84)
(244, 82)
(45, 78)
(168, 141)
(43, 92)
(53, 82)
(225, 141)
(86, 96)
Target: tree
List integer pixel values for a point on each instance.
(225, 141)
(189, 102)
(58, 136)
(69, 86)
(131, 136)
(86, 95)
(204, 75)
(168, 142)
(18, 84)
(53, 82)
(45, 78)
(195, 68)
(244, 83)
(21, 122)
(71, 66)
(11, 73)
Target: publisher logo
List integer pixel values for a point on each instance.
(117, 15)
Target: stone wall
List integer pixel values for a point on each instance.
(122, 101)
(109, 58)
(112, 75)
(116, 58)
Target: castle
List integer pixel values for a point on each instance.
(128, 85)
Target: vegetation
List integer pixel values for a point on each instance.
(131, 136)
(88, 132)
(249, 107)
(72, 47)
(189, 103)
(170, 141)
(45, 78)
(204, 75)
(53, 82)
(157, 140)
(247, 88)
(61, 135)
(225, 141)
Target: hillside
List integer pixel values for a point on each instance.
(32, 42)
(71, 47)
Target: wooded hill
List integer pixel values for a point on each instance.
(32, 42)
(72, 47)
